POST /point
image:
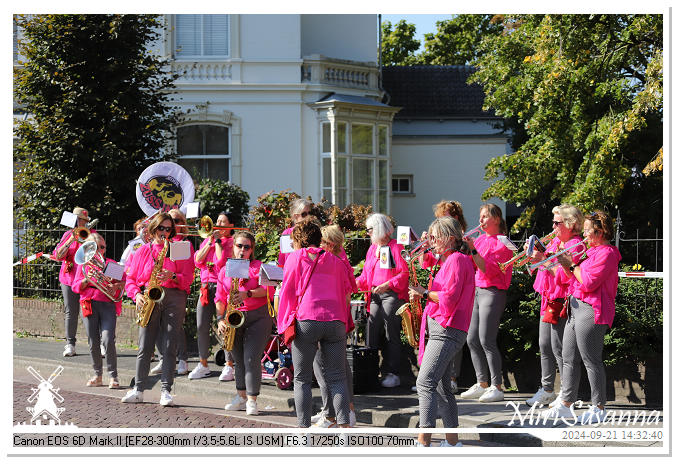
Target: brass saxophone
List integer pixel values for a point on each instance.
(154, 292)
(411, 312)
(234, 317)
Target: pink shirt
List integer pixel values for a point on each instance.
(283, 256)
(325, 296)
(67, 271)
(210, 265)
(493, 252)
(373, 275)
(91, 292)
(455, 288)
(552, 286)
(599, 273)
(139, 272)
(224, 287)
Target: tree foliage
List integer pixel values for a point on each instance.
(216, 195)
(399, 44)
(456, 40)
(97, 101)
(585, 94)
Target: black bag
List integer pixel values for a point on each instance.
(365, 366)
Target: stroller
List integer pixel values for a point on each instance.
(277, 363)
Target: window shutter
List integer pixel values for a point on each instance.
(188, 35)
(216, 35)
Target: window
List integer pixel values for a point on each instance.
(201, 36)
(360, 177)
(204, 151)
(402, 184)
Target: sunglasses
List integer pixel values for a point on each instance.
(556, 223)
(163, 229)
(369, 230)
(304, 214)
(243, 246)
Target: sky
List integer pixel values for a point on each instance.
(424, 23)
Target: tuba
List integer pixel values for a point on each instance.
(92, 262)
(154, 292)
(234, 317)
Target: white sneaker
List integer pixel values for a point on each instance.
(133, 396)
(166, 398)
(324, 423)
(157, 369)
(475, 391)
(318, 417)
(492, 394)
(391, 381)
(251, 408)
(103, 350)
(69, 350)
(445, 443)
(560, 410)
(200, 372)
(453, 386)
(227, 374)
(557, 401)
(593, 416)
(182, 367)
(541, 398)
(352, 418)
(237, 404)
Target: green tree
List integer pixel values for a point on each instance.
(216, 195)
(399, 44)
(99, 114)
(456, 40)
(583, 94)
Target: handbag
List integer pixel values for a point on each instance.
(289, 332)
(554, 310)
(86, 307)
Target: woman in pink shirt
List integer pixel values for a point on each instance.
(489, 304)
(99, 316)
(299, 209)
(385, 276)
(64, 252)
(446, 318)
(314, 297)
(168, 314)
(210, 258)
(594, 284)
(250, 338)
(332, 241)
(552, 285)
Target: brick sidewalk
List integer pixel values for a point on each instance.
(85, 410)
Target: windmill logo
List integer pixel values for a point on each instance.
(45, 410)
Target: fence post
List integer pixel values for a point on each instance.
(618, 224)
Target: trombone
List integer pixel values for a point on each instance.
(532, 267)
(205, 227)
(419, 249)
(522, 255)
(82, 233)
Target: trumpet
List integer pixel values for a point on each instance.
(419, 249)
(472, 232)
(81, 233)
(532, 267)
(205, 228)
(522, 255)
(93, 263)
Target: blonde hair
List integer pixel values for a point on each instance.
(446, 227)
(495, 211)
(572, 217)
(334, 236)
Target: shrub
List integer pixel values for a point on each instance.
(216, 195)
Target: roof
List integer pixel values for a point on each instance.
(353, 99)
(434, 91)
